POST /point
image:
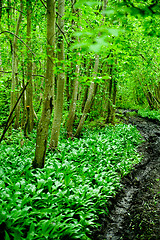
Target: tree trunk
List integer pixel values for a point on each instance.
(42, 131)
(89, 98)
(114, 101)
(85, 97)
(145, 91)
(1, 3)
(60, 81)
(23, 101)
(72, 108)
(109, 105)
(14, 84)
(29, 92)
(67, 85)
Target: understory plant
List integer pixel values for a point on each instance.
(152, 114)
(64, 199)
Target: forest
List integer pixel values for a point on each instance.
(74, 74)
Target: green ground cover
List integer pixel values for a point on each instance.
(152, 114)
(65, 199)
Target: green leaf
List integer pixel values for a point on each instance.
(6, 236)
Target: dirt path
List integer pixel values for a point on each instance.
(135, 213)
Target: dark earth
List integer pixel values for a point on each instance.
(135, 212)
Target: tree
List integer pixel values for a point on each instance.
(72, 107)
(60, 80)
(88, 103)
(29, 91)
(14, 85)
(42, 130)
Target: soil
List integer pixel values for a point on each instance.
(135, 212)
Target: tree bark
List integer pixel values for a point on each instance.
(29, 92)
(114, 101)
(42, 131)
(14, 84)
(89, 98)
(72, 108)
(60, 81)
(109, 104)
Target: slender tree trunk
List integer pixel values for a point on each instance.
(60, 81)
(17, 110)
(93, 98)
(14, 83)
(114, 101)
(109, 104)
(67, 85)
(23, 101)
(29, 92)
(157, 94)
(42, 131)
(89, 98)
(9, 12)
(85, 97)
(146, 94)
(1, 3)
(72, 108)
(105, 2)
(158, 91)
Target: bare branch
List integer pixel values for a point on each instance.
(14, 9)
(43, 4)
(34, 75)
(62, 33)
(21, 41)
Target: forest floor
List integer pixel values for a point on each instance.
(135, 212)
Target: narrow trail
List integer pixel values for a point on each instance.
(135, 212)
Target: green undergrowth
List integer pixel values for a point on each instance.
(152, 114)
(65, 199)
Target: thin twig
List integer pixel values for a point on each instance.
(43, 4)
(62, 33)
(21, 41)
(33, 75)
(14, 9)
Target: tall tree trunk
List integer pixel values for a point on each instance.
(67, 84)
(114, 101)
(85, 97)
(14, 84)
(109, 104)
(9, 12)
(89, 98)
(23, 100)
(72, 108)
(29, 92)
(60, 81)
(42, 131)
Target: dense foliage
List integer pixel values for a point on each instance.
(65, 199)
(149, 114)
